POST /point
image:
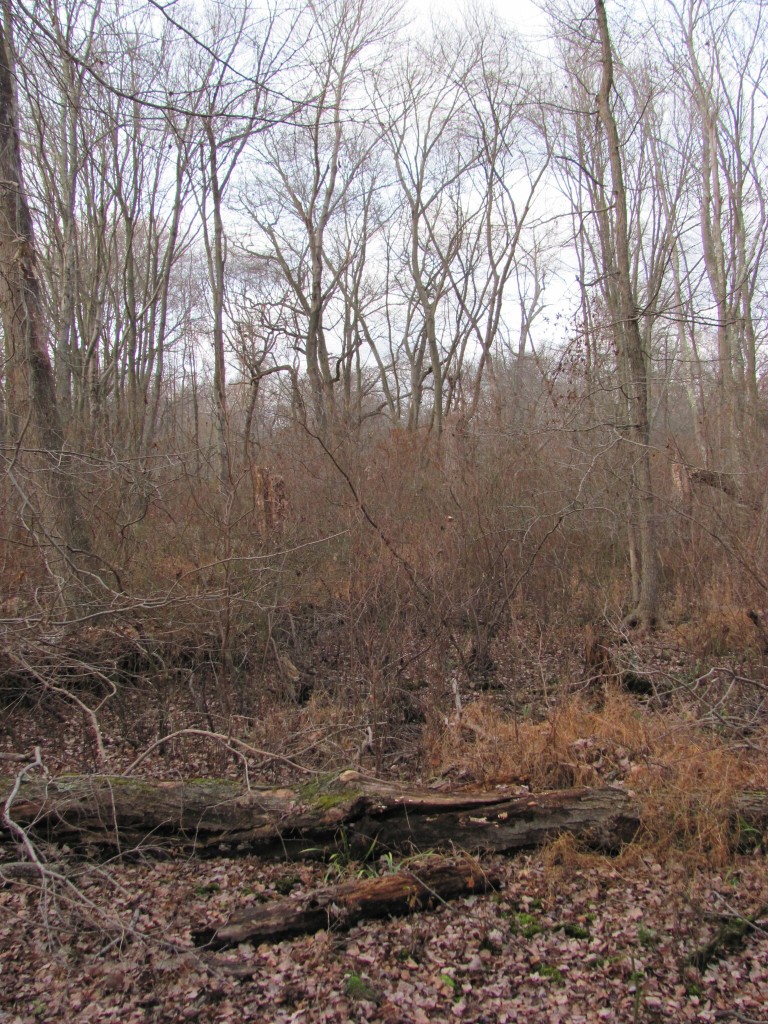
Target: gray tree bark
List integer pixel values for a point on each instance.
(632, 357)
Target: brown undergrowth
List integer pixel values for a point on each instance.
(686, 777)
(725, 630)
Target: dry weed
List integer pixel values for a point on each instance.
(685, 777)
(721, 631)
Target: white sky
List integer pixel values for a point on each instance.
(523, 15)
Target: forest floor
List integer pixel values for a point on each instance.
(568, 935)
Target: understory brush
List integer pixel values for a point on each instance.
(687, 777)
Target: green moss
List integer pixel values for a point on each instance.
(451, 984)
(356, 987)
(553, 974)
(325, 792)
(320, 784)
(68, 782)
(138, 785)
(207, 890)
(325, 801)
(285, 884)
(527, 925)
(217, 789)
(576, 931)
(647, 937)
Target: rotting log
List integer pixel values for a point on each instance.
(348, 810)
(420, 886)
(220, 816)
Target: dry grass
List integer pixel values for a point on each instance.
(722, 631)
(685, 777)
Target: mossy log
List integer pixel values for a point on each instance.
(419, 886)
(216, 815)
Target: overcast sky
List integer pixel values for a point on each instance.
(524, 15)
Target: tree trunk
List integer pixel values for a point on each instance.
(220, 815)
(341, 906)
(629, 345)
(34, 418)
(216, 273)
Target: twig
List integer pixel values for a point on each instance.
(227, 741)
(89, 712)
(15, 829)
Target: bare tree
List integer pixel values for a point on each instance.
(621, 247)
(506, 240)
(633, 354)
(310, 206)
(422, 112)
(111, 187)
(35, 422)
(234, 62)
(721, 64)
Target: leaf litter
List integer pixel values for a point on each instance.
(569, 936)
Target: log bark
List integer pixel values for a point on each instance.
(119, 814)
(419, 887)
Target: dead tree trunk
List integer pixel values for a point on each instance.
(220, 816)
(341, 906)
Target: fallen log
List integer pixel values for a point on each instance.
(417, 887)
(219, 816)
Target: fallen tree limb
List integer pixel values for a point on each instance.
(685, 475)
(217, 815)
(341, 906)
(121, 814)
(718, 481)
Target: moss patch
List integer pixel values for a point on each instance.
(325, 792)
